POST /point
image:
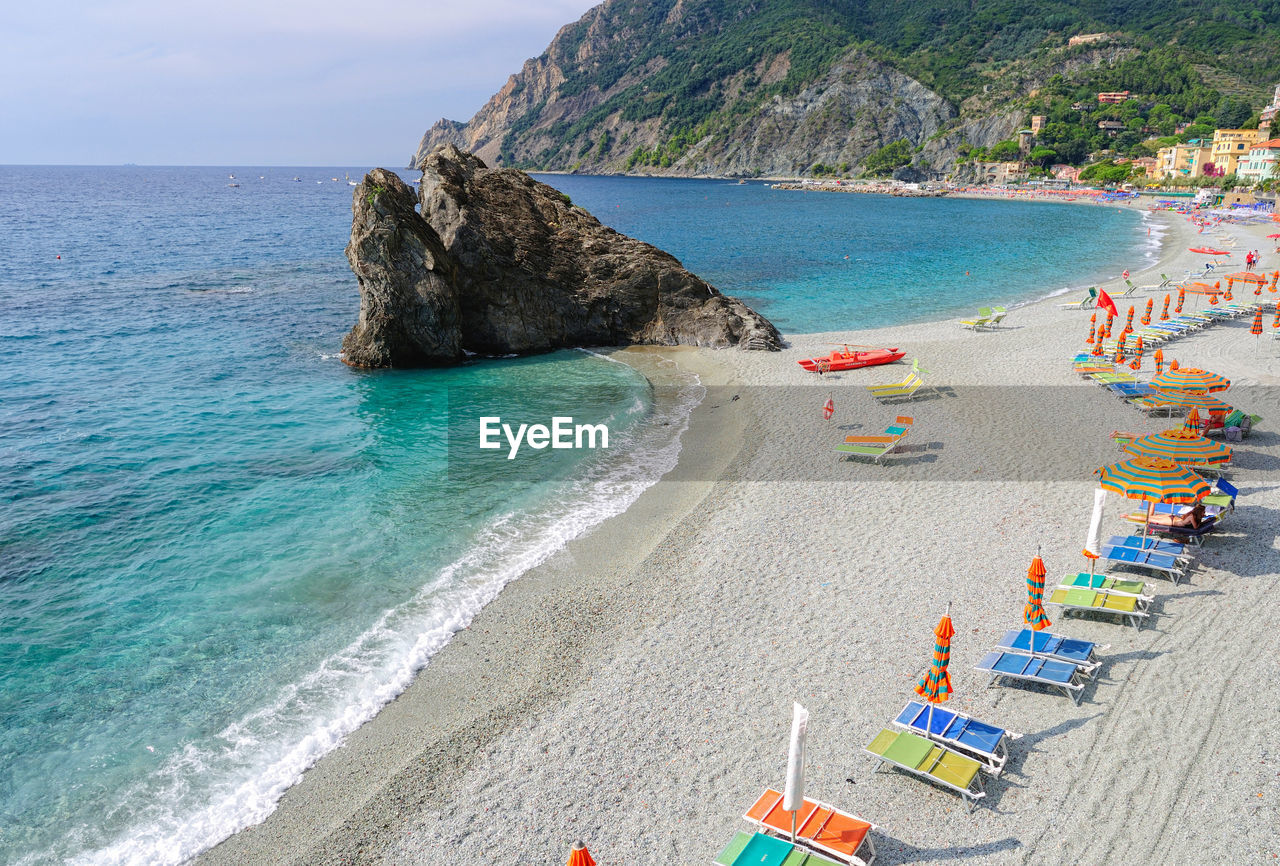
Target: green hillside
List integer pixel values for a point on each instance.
(655, 78)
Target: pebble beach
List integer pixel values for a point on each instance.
(635, 691)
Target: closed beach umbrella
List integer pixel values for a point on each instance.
(1173, 365)
(1089, 339)
(1274, 278)
(1192, 421)
(1227, 296)
(1110, 318)
(1180, 445)
(1128, 319)
(1152, 480)
(1188, 400)
(1164, 311)
(1093, 320)
(1146, 316)
(1191, 379)
(793, 794)
(1093, 544)
(935, 686)
(580, 856)
(1033, 613)
(1182, 297)
(1256, 327)
(1097, 347)
(1276, 323)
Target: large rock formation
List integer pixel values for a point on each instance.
(498, 263)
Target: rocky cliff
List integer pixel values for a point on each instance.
(497, 263)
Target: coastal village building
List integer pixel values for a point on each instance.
(1037, 123)
(1183, 160)
(1113, 98)
(1085, 39)
(1229, 145)
(1260, 164)
(1111, 127)
(1269, 113)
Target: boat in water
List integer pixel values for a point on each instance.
(846, 358)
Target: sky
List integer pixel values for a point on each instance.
(254, 82)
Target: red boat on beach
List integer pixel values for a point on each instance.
(851, 359)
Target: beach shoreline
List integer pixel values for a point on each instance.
(565, 708)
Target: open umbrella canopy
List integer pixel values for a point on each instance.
(1153, 480)
(1180, 445)
(1246, 277)
(1191, 379)
(1033, 613)
(1189, 400)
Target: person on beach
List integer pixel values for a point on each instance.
(1189, 520)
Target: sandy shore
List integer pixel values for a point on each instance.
(635, 691)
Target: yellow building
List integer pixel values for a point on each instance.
(1183, 160)
(1229, 147)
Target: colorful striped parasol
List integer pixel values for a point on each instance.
(1191, 379)
(1146, 316)
(1256, 327)
(1089, 339)
(580, 856)
(1164, 311)
(1159, 358)
(1033, 613)
(1128, 319)
(1180, 445)
(1190, 401)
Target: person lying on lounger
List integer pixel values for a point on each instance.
(1190, 519)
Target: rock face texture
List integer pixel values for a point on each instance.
(408, 281)
(498, 263)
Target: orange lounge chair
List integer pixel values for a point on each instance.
(897, 430)
(819, 826)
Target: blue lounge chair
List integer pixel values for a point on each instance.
(1064, 676)
(1158, 545)
(1126, 390)
(986, 744)
(1162, 564)
(1054, 646)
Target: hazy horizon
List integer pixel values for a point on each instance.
(234, 84)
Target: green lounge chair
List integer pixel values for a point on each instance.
(1084, 303)
(758, 849)
(874, 452)
(1114, 585)
(1130, 608)
(997, 316)
(929, 761)
(982, 321)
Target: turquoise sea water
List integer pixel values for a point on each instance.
(221, 549)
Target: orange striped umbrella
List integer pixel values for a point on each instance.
(580, 856)
(1093, 320)
(1191, 379)
(1173, 365)
(1256, 327)
(1182, 297)
(1159, 357)
(1120, 348)
(1276, 323)
(935, 686)
(1033, 613)
(1089, 339)
(1192, 421)
(1181, 446)
(1151, 479)
(1164, 311)
(1128, 319)
(1274, 278)
(1227, 296)
(1097, 347)
(1146, 317)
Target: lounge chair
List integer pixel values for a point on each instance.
(872, 452)
(1129, 289)
(985, 743)
(983, 320)
(753, 849)
(1223, 495)
(1065, 676)
(1084, 303)
(1106, 581)
(914, 385)
(1154, 545)
(1186, 534)
(997, 316)
(1163, 564)
(1081, 653)
(895, 431)
(915, 370)
(1131, 608)
(1130, 390)
(930, 761)
(819, 826)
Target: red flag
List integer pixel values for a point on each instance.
(1105, 303)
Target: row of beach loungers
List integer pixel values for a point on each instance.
(987, 318)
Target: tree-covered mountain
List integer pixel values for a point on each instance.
(816, 86)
